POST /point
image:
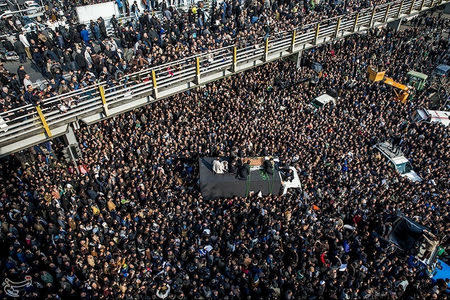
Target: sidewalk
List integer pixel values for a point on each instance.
(12, 67)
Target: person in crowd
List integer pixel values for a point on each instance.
(19, 47)
(27, 81)
(85, 34)
(26, 44)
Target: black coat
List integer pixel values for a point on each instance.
(38, 59)
(8, 45)
(80, 60)
(103, 31)
(21, 74)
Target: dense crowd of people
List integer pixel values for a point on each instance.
(70, 55)
(131, 223)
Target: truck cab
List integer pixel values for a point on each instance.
(442, 70)
(417, 80)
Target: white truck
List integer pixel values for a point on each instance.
(289, 178)
(431, 116)
(399, 161)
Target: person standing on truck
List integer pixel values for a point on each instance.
(120, 6)
(135, 10)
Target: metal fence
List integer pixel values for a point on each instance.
(29, 125)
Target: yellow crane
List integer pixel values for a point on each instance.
(375, 75)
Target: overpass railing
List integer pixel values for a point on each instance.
(101, 100)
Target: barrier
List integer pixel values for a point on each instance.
(92, 12)
(136, 90)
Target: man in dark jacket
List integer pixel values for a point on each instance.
(31, 96)
(101, 24)
(39, 61)
(21, 73)
(80, 61)
(20, 50)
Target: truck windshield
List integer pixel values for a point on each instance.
(416, 117)
(404, 168)
(317, 103)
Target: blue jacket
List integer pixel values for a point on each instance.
(85, 35)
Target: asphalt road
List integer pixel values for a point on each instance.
(12, 67)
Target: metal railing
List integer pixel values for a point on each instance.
(93, 103)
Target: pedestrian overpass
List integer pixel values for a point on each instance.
(29, 125)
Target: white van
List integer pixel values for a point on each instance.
(323, 100)
(431, 116)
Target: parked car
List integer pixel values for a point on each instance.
(30, 9)
(289, 179)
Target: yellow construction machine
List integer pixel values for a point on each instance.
(375, 75)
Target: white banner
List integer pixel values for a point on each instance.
(94, 11)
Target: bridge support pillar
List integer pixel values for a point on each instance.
(72, 152)
(297, 59)
(70, 137)
(395, 25)
(155, 84)
(197, 75)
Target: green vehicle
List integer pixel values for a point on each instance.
(417, 80)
